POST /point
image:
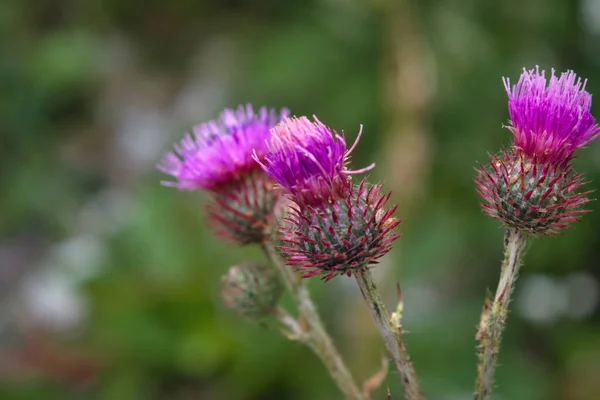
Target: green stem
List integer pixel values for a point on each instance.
(391, 335)
(493, 317)
(315, 336)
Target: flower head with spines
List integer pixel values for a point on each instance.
(218, 157)
(334, 226)
(532, 186)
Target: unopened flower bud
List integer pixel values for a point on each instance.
(251, 289)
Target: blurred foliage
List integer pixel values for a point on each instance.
(93, 92)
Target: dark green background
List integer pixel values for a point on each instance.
(93, 92)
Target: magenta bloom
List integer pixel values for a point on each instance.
(334, 227)
(219, 152)
(550, 120)
(309, 160)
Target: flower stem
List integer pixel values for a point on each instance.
(493, 317)
(315, 336)
(391, 335)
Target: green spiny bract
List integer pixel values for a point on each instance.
(528, 195)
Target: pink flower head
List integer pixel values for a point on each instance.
(218, 153)
(550, 120)
(309, 160)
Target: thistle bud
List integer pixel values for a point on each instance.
(339, 237)
(251, 289)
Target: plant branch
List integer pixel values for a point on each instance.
(314, 334)
(493, 317)
(391, 333)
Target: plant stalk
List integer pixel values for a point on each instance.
(315, 336)
(391, 334)
(493, 317)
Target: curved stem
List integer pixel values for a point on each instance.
(391, 335)
(314, 334)
(493, 317)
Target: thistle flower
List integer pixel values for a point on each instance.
(309, 160)
(217, 157)
(335, 226)
(550, 120)
(532, 186)
(251, 289)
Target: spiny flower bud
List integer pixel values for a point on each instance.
(339, 237)
(532, 187)
(334, 227)
(251, 289)
(218, 158)
(533, 197)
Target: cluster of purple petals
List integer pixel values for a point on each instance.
(550, 120)
(306, 158)
(220, 152)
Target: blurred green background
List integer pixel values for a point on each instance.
(109, 281)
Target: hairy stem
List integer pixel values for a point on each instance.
(314, 334)
(391, 335)
(493, 317)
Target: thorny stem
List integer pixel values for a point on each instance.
(314, 334)
(391, 335)
(493, 317)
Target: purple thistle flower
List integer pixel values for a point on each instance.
(219, 152)
(333, 227)
(532, 186)
(309, 160)
(217, 157)
(550, 120)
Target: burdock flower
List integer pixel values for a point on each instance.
(217, 157)
(532, 186)
(335, 226)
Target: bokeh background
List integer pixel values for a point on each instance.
(109, 281)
